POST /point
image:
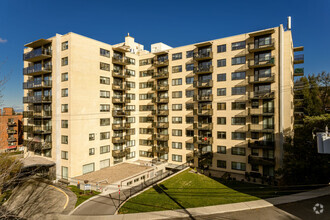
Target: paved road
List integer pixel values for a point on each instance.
(297, 210)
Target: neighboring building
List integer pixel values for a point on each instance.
(11, 133)
(224, 103)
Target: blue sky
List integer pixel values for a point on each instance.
(175, 23)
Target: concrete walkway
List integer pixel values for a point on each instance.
(208, 210)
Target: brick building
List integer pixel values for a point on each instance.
(11, 133)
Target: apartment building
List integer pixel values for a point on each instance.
(11, 130)
(223, 104)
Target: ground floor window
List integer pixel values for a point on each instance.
(104, 163)
(238, 166)
(87, 168)
(65, 172)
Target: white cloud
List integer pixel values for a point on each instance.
(3, 40)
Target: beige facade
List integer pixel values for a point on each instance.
(224, 104)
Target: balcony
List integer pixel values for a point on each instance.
(203, 84)
(42, 129)
(120, 113)
(261, 128)
(261, 160)
(37, 69)
(298, 97)
(204, 112)
(203, 154)
(27, 128)
(203, 55)
(160, 63)
(298, 59)
(161, 137)
(299, 110)
(203, 69)
(160, 112)
(119, 74)
(37, 55)
(37, 85)
(262, 95)
(252, 47)
(204, 140)
(261, 111)
(11, 123)
(160, 87)
(11, 131)
(37, 99)
(118, 140)
(160, 99)
(27, 114)
(121, 153)
(118, 126)
(203, 98)
(262, 144)
(120, 87)
(160, 75)
(257, 63)
(160, 149)
(120, 60)
(298, 72)
(11, 139)
(42, 114)
(118, 100)
(34, 145)
(161, 124)
(254, 79)
(206, 126)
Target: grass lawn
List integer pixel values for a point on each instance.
(188, 190)
(81, 196)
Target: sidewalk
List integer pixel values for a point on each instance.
(208, 210)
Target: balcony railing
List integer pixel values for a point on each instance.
(119, 87)
(42, 129)
(37, 54)
(203, 69)
(204, 112)
(119, 100)
(37, 69)
(160, 112)
(203, 55)
(37, 84)
(204, 140)
(121, 60)
(161, 137)
(204, 98)
(262, 144)
(298, 71)
(120, 113)
(204, 126)
(11, 123)
(261, 160)
(42, 114)
(262, 94)
(261, 127)
(160, 62)
(298, 59)
(203, 84)
(119, 73)
(118, 140)
(34, 145)
(160, 149)
(11, 131)
(11, 139)
(121, 153)
(160, 75)
(261, 111)
(254, 63)
(203, 154)
(161, 124)
(160, 87)
(269, 79)
(37, 99)
(160, 99)
(253, 47)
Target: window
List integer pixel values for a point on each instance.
(238, 105)
(105, 66)
(91, 136)
(190, 120)
(64, 155)
(221, 120)
(91, 151)
(145, 62)
(238, 90)
(238, 135)
(87, 168)
(221, 135)
(255, 104)
(65, 173)
(104, 52)
(255, 167)
(190, 133)
(255, 152)
(104, 108)
(65, 77)
(238, 166)
(221, 149)
(177, 158)
(238, 45)
(177, 69)
(130, 131)
(189, 146)
(64, 124)
(177, 120)
(65, 45)
(221, 62)
(65, 108)
(65, 61)
(130, 119)
(177, 94)
(238, 120)
(221, 164)
(64, 139)
(177, 145)
(65, 93)
(146, 73)
(255, 119)
(130, 72)
(130, 60)
(189, 93)
(221, 91)
(130, 143)
(104, 163)
(104, 94)
(131, 96)
(189, 80)
(104, 80)
(130, 107)
(238, 75)
(104, 149)
(238, 60)
(146, 85)
(189, 106)
(146, 96)
(104, 135)
(255, 135)
(176, 107)
(176, 56)
(176, 82)
(221, 77)
(222, 48)
(104, 121)
(176, 132)
(190, 53)
(189, 66)
(221, 106)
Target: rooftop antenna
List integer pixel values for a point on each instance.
(289, 23)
